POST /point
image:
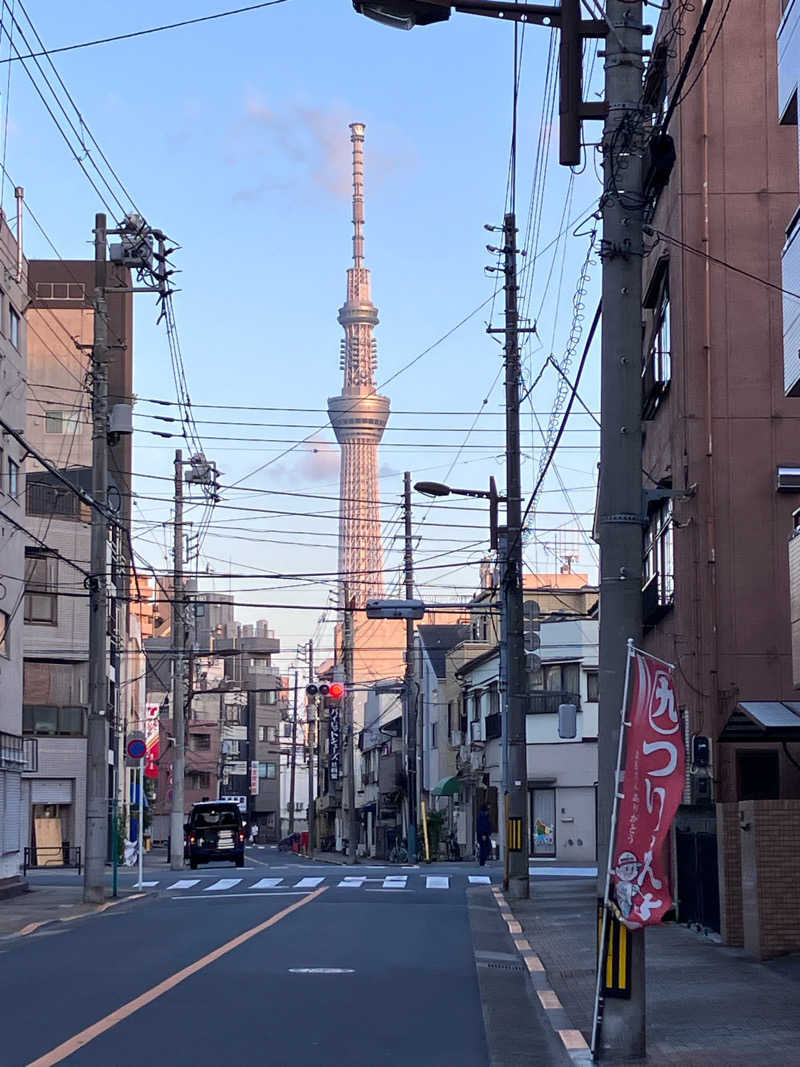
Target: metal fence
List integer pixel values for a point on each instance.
(64, 855)
(698, 878)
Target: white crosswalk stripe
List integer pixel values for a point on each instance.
(223, 883)
(309, 883)
(184, 883)
(267, 883)
(437, 881)
(480, 879)
(144, 885)
(351, 883)
(395, 881)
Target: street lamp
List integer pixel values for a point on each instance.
(439, 489)
(566, 16)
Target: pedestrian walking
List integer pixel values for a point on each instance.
(484, 835)
(253, 832)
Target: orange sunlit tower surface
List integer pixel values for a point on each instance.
(359, 416)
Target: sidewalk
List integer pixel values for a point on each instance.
(707, 1005)
(22, 915)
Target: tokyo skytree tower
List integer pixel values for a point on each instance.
(359, 416)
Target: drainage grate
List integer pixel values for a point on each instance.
(513, 968)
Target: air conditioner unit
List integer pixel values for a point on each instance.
(475, 731)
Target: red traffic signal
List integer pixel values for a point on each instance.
(336, 691)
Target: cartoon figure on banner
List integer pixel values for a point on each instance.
(544, 834)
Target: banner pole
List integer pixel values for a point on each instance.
(609, 860)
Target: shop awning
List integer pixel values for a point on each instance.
(448, 787)
(763, 720)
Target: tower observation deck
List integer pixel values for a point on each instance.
(359, 416)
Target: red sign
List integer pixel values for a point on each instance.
(254, 778)
(652, 788)
(151, 735)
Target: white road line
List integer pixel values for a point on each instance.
(144, 885)
(184, 883)
(437, 881)
(309, 883)
(351, 883)
(251, 895)
(223, 883)
(267, 883)
(395, 881)
(480, 879)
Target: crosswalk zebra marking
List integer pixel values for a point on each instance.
(267, 883)
(437, 881)
(223, 883)
(351, 883)
(395, 881)
(480, 879)
(309, 883)
(144, 885)
(184, 883)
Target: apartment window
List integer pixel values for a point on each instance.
(657, 364)
(267, 697)
(287, 729)
(272, 734)
(61, 421)
(272, 770)
(13, 327)
(562, 678)
(13, 478)
(44, 498)
(50, 721)
(4, 642)
(434, 732)
(592, 687)
(659, 570)
(262, 733)
(476, 706)
(41, 587)
(199, 779)
(201, 742)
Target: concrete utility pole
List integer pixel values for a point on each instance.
(348, 731)
(516, 680)
(294, 759)
(409, 686)
(311, 706)
(619, 513)
(97, 727)
(177, 814)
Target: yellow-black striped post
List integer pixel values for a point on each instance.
(616, 974)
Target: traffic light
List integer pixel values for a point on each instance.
(336, 691)
(317, 690)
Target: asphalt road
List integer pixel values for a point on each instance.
(285, 962)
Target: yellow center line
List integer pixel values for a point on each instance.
(73, 1044)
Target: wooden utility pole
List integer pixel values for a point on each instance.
(311, 708)
(97, 726)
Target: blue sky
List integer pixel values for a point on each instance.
(233, 137)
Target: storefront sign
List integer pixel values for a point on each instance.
(334, 742)
(151, 737)
(652, 788)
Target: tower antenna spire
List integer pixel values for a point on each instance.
(357, 137)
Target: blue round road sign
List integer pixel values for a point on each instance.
(136, 748)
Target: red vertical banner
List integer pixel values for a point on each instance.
(652, 787)
(151, 737)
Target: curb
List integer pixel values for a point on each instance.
(30, 928)
(571, 1038)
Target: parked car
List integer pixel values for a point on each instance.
(289, 843)
(215, 831)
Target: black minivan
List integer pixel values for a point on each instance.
(215, 831)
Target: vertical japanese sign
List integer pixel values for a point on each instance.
(334, 739)
(151, 739)
(254, 778)
(652, 789)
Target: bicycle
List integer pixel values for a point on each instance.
(398, 853)
(453, 847)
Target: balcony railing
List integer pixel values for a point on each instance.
(546, 701)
